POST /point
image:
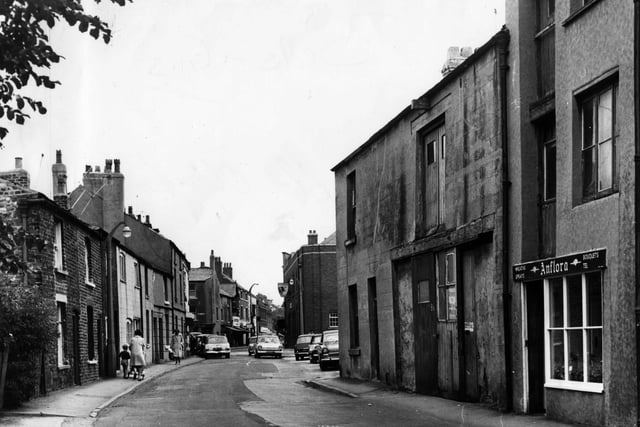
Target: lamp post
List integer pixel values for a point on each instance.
(251, 310)
(111, 350)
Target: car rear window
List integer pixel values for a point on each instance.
(217, 340)
(269, 339)
(303, 340)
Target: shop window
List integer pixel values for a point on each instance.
(573, 341)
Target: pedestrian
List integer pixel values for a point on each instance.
(176, 346)
(125, 356)
(137, 347)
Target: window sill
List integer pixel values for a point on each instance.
(61, 272)
(146, 297)
(350, 242)
(602, 195)
(354, 352)
(578, 13)
(92, 362)
(167, 303)
(63, 367)
(90, 284)
(575, 386)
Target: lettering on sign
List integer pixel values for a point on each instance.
(560, 266)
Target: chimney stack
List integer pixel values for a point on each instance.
(87, 169)
(147, 221)
(59, 172)
(218, 262)
(227, 270)
(455, 56)
(130, 210)
(201, 264)
(212, 261)
(17, 176)
(312, 237)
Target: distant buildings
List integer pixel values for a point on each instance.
(309, 288)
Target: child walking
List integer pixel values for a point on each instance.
(124, 360)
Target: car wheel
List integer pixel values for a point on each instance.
(228, 356)
(257, 356)
(323, 367)
(297, 358)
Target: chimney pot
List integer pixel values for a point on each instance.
(201, 264)
(146, 220)
(312, 238)
(58, 156)
(139, 217)
(18, 162)
(116, 165)
(97, 169)
(87, 168)
(107, 165)
(130, 210)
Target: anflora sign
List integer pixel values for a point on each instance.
(561, 266)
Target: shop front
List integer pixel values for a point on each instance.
(562, 335)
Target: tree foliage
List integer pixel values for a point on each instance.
(26, 54)
(27, 318)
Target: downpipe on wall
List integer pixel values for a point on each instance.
(636, 102)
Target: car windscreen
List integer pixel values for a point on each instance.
(217, 340)
(303, 340)
(316, 338)
(269, 339)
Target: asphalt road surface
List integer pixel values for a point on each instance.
(243, 391)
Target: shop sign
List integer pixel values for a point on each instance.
(283, 288)
(560, 266)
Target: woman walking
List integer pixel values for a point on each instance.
(176, 346)
(137, 347)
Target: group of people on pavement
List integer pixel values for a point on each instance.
(132, 358)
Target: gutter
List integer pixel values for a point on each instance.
(503, 69)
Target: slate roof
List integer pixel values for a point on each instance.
(200, 274)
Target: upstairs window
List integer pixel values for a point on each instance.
(576, 5)
(547, 135)
(122, 259)
(598, 135)
(333, 320)
(58, 247)
(351, 205)
(88, 261)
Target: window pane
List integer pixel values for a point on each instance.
(574, 300)
(423, 291)
(557, 354)
(555, 303)
(549, 171)
(605, 165)
(594, 349)
(594, 299)
(587, 124)
(605, 116)
(452, 303)
(588, 172)
(431, 152)
(442, 303)
(451, 268)
(576, 359)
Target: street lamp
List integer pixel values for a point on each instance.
(251, 310)
(111, 350)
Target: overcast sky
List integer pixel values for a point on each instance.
(228, 115)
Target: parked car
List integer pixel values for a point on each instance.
(268, 345)
(217, 345)
(329, 350)
(303, 345)
(251, 347)
(314, 348)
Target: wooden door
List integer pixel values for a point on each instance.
(534, 343)
(373, 328)
(76, 348)
(447, 329)
(433, 144)
(425, 322)
(472, 273)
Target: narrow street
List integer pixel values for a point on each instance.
(243, 391)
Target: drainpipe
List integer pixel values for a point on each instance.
(636, 158)
(503, 68)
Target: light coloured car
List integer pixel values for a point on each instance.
(329, 351)
(268, 345)
(217, 345)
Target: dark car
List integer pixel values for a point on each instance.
(329, 351)
(314, 347)
(303, 345)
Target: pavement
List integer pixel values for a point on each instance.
(79, 406)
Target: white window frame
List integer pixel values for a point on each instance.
(58, 254)
(61, 301)
(122, 264)
(333, 320)
(584, 385)
(87, 260)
